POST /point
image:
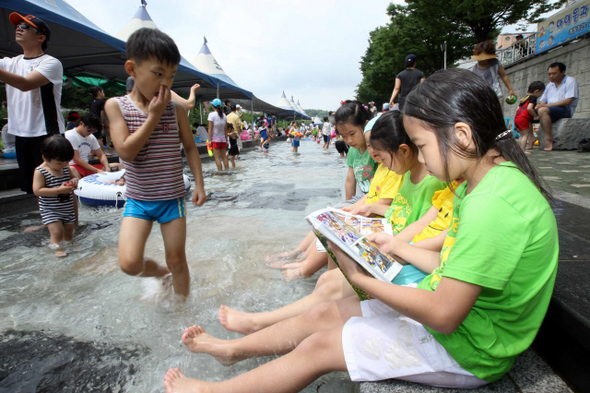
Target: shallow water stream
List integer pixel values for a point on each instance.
(80, 324)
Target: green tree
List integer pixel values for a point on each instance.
(422, 26)
(407, 33)
(484, 18)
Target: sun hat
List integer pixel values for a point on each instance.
(238, 106)
(484, 56)
(216, 102)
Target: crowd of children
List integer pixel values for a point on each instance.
(471, 222)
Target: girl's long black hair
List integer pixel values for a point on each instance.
(457, 95)
(353, 112)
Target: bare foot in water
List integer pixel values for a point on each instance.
(176, 382)
(292, 274)
(236, 321)
(282, 255)
(292, 265)
(59, 251)
(197, 340)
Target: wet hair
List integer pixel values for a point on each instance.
(57, 147)
(457, 95)
(352, 112)
(148, 43)
(536, 85)
(388, 134)
(485, 46)
(557, 64)
(90, 120)
(94, 90)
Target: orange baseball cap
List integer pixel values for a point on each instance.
(38, 23)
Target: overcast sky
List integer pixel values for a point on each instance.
(311, 49)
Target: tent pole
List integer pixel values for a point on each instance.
(217, 89)
(201, 111)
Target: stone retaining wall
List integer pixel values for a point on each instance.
(575, 56)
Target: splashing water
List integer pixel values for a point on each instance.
(80, 324)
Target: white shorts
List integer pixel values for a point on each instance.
(383, 344)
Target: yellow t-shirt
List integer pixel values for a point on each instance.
(443, 201)
(385, 184)
(234, 119)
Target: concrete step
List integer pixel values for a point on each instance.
(530, 374)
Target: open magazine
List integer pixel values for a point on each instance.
(349, 232)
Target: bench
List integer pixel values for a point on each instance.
(566, 133)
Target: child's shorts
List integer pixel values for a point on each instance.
(161, 211)
(384, 344)
(295, 143)
(85, 172)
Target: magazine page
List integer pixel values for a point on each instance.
(350, 239)
(364, 225)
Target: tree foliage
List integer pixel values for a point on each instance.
(422, 26)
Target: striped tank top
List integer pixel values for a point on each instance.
(56, 207)
(156, 172)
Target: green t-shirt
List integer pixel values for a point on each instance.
(412, 201)
(364, 167)
(503, 237)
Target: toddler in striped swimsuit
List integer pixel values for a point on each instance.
(53, 183)
(147, 128)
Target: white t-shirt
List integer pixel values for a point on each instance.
(327, 128)
(567, 89)
(218, 126)
(84, 145)
(36, 112)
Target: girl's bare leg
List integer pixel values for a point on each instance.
(279, 338)
(331, 286)
(216, 155)
(225, 160)
(56, 233)
(69, 232)
(317, 355)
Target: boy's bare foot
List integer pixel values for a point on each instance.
(236, 321)
(60, 253)
(176, 382)
(197, 340)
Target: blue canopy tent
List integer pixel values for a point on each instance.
(80, 45)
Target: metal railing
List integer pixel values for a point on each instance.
(518, 51)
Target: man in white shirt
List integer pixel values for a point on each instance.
(559, 100)
(33, 90)
(84, 142)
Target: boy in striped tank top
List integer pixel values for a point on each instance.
(53, 183)
(147, 128)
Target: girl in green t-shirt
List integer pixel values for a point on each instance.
(464, 325)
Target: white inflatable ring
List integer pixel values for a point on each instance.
(94, 190)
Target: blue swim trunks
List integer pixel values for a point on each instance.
(161, 211)
(263, 134)
(295, 143)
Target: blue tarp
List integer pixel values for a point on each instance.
(83, 47)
